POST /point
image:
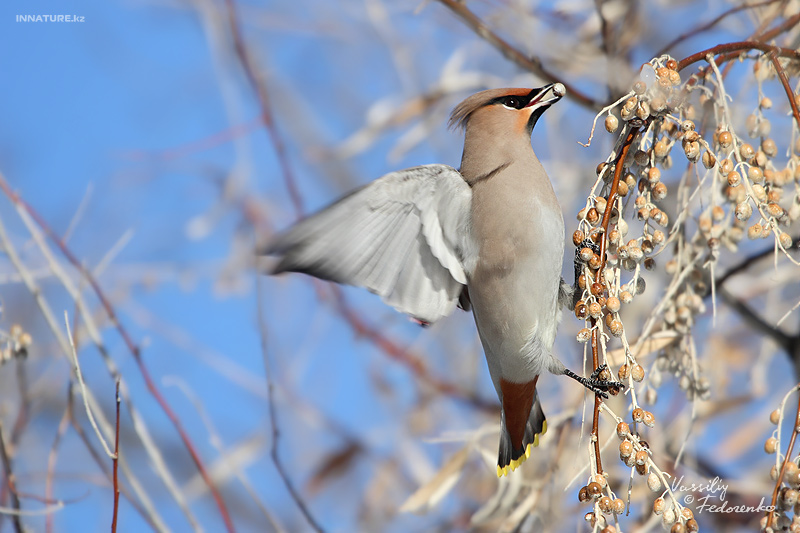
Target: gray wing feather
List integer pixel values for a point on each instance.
(403, 237)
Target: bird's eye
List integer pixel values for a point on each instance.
(512, 102)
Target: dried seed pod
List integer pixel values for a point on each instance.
(578, 237)
(626, 297)
(623, 430)
(754, 231)
(583, 495)
(619, 506)
(616, 328)
(765, 103)
(638, 415)
(622, 188)
(641, 457)
(659, 192)
(744, 211)
(725, 167)
(584, 335)
(769, 147)
(643, 110)
(784, 239)
(605, 504)
(771, 445)
(612, 123)
(668, 518)
(625, 448)
(661, 149)
(677, 528)
(755, 174)
(691, 136)
(775, 416)
(774, 210)
(746, 151)
(759, 192)
(649, 419)
(653, 176)
(613, 304)
(592, 216)
(709, 160)
(751, 123)
(580, 310)
(595, 490)
(725, 139)
(654, 483)
(595, 310)
(637, 372)
(659, 506)
(600, 204)
(658, 237)
(692, 150)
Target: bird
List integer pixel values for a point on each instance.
(487, 237)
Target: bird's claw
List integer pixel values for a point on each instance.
(601, 387)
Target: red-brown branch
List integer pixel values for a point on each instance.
(403, 356)
(785, 82)
(732, 50)
(132, 347)
(115, 462)
(786, 458)
(612, 195)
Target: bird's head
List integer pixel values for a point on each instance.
(504, 111)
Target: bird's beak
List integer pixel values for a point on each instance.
(547, 95)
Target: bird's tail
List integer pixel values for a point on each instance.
(512, 454)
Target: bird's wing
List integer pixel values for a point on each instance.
(403, 236)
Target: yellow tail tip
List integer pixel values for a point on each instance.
(544, 427)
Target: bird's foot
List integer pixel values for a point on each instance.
(600, 386)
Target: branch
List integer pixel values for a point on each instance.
(115, 464)
(730, 51)
(10, 482)
(710, 24)
(25, 208)
(260, 88)
(531, 64)
(262, 330)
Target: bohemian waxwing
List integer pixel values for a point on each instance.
(489, 237)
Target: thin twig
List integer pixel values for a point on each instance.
(267, 119)
(531, 64)
(262, 330)
(84, 394)
(21, 204)
(115, 463)
(51, 463)
(710, 24)
(10, 481)
(780, 28)
(404, 356)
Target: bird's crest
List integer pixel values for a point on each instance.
(462, 112)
